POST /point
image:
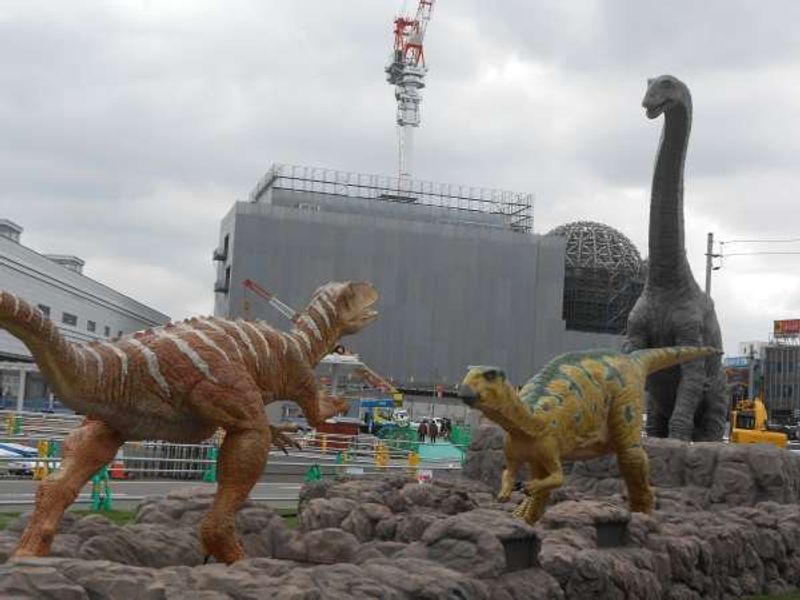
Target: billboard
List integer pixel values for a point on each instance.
(787, 328)
(736, 362)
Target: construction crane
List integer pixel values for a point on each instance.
(363, 372)
(406, 72)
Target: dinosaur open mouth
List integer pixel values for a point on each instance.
(467, 395)
(654, 111)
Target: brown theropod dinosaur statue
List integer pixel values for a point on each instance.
(179, 383)
(686, 402)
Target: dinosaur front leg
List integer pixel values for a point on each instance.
(532, 508)
(330, 406)
(85, 450)
(546, 475)
(281, 439)
(509, 476)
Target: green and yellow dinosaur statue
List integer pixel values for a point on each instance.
(581, 405)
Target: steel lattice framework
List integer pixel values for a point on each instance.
(604, 275)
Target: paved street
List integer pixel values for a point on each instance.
(17, 495)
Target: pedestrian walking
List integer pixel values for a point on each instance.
(433, 431)
(422, 431)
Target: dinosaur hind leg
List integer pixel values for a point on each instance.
(710, 420)
(241, 461)
(635, 470)
(85, 450)
(625, 422)
(660, 397)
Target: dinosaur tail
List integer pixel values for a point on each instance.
(56, 357)
(655, 359)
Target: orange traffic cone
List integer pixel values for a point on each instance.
(117, 470)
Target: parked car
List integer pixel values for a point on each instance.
(22, 467)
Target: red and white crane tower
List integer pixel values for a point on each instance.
(406, 72)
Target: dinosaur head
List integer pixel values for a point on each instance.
(485, 388)
(663, 93)
(353, 302)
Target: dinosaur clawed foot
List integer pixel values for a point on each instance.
(33, 545)
(643, 503)
(222, 545)
(528, 510)
(281, 439)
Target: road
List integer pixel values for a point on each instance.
(17, 495)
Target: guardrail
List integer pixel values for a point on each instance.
(87, 499)
(164, 460)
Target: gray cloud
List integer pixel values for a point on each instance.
(129, 128)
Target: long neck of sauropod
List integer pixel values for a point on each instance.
(667, 263)
(655, 359)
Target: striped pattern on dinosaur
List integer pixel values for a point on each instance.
(579, 406)
(179, 383)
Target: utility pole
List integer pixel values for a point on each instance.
(710, 256)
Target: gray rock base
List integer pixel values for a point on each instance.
(390, 538)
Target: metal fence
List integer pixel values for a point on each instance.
(516, 207)
(164, 460)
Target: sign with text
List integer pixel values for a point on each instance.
(424, 475)
(787, 328)
(736, 362)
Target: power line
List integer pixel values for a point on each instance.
(777, 241)
(754, 253)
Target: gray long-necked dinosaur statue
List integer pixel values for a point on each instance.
(686, 402)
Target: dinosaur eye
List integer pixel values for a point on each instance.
(490, 375)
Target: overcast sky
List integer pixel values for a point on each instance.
(130, 127)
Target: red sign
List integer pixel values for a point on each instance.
(787, 328)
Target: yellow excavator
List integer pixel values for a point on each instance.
(750, 426)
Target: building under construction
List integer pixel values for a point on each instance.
(463, 280)
(603, 278)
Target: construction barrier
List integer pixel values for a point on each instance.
(413, 464)
(313, 474)
(101, 491)
(13, 424)
(210, 474)
(53, 453)
(40, 470)
(381, 455)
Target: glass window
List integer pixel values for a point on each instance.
(69, 319)
(44, 308)
(107, 331)
(119, 334)
(91, 325)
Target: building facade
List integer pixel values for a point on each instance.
(463, 280)
(82, 308)
(780, 367)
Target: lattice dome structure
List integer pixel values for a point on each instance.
(604, 275)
